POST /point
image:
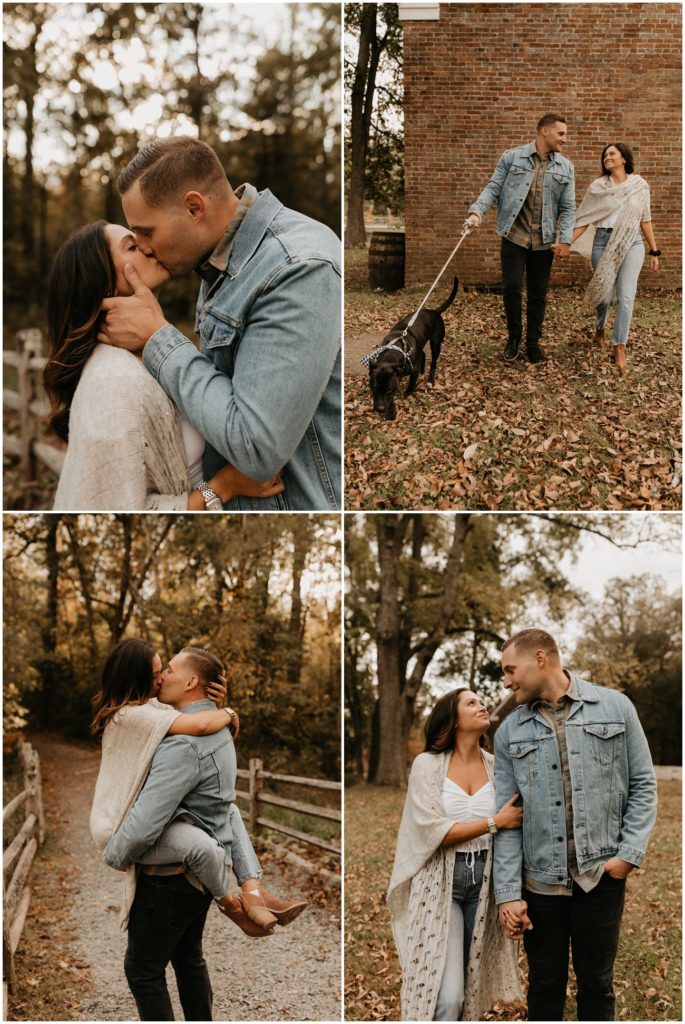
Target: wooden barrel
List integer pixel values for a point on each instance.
(386, 260)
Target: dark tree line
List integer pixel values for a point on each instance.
(263, 592)
(433, 597)
(71, 108)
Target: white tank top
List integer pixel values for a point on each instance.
(462, 808)
(194, 444)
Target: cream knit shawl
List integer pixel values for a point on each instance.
(129, 743)
(125, 446)
(419, 898)
(603, 198)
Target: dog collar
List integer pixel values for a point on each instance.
(372, 357)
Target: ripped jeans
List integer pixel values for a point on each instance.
(183, 843)
(466, 885)
(625, 286)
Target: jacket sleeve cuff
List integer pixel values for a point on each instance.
(505, 893)
(630, 854)
(160, 346)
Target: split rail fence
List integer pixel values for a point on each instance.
(29, 402)
(16, 893)
(259, 797)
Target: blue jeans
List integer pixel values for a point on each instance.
(466, 886)
(182, 843)
(625, 286)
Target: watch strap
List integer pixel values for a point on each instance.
(213, 502)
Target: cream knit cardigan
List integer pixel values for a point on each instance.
(129, 743)
(419, 897)
(125, 446)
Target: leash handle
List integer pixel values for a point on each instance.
(465, 232)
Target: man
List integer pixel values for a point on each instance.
(578, 756)
(193, 776)
(265, 390)
(534, 188)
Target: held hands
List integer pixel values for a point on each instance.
(509, 816)
(513, 917)
(617, 868)
(560, 249)
(131, 320)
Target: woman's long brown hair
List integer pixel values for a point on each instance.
(82, 275)
(126, 679)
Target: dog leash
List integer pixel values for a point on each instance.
(372, 356)
(467, 231)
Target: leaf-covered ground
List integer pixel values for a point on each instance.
(568, 434)
(648, 966)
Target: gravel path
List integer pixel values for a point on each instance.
(293, 975)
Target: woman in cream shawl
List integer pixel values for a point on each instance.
(608, 222)
(456, 960)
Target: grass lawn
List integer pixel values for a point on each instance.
(648, 967)
(568, 434)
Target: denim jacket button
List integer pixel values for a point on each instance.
(558, 803)
(560, 839)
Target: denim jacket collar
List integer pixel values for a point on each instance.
(252, 230)
(529, 150)
(586, 692)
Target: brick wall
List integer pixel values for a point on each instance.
(476, 83)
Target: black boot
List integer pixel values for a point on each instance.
(512, 350)
(535, 353)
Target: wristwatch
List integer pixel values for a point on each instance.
(213, 502)
(492, 828)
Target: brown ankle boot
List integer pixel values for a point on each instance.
(256, 909)
(620, 358)
(232, 907)
(600, 337)
(284, 911)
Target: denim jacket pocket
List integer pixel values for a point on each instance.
(219, 337)
(604, 741)
(524, 755)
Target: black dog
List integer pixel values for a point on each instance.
(406, 356)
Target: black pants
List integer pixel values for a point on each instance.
(166, 924)
(591, 922)
(537, 265)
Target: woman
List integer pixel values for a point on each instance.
(132, 723)
(456, 959)
(614, 209)
(128, 447)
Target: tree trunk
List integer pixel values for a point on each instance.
(392, 753)
(301, 543)
(428, 649)
(361, 108)
(49, 631)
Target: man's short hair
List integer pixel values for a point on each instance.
(203, 663)
(168, 168)
(528, 641)
(550, 119)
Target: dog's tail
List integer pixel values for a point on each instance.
(448, 302)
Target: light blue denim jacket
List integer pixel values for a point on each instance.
(193, 776)
(612, 784)
(265, 391)
(510, 184)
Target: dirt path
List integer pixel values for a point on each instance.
(74, 949)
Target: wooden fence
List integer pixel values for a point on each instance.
(257, 795)
(28, 401)
(16, 894)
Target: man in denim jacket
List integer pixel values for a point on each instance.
(577, 755)
(265, 390)
(192, 777)
(534, 188)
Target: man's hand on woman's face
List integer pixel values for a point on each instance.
(131, 320)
